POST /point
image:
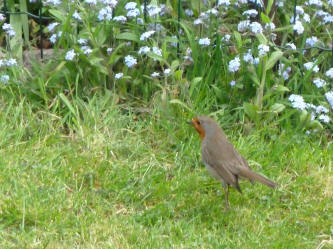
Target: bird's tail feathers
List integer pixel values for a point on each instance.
(256, 177)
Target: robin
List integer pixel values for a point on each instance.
(221, 159)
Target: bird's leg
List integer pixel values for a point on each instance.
(226, 195)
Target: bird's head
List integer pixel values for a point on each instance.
(204, 125)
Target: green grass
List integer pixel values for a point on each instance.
(120, 179)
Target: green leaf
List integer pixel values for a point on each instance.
(265, 18)
(240, 86)
(67, 103)
(269, 6)
(281, 88)
(178, 74)
(275, 56)
(154, 2)
(277, 108)
(114, 53)
(58, 14)
(315, 124)
(253, 75)
(59, 67)
(305, 117)
(170, 39)
(179, 102)
(262, 39)
(255, 79)
(251, 110)
(174, 65)
(284, 28)
(96, 62)
(100, 37)
(16, 44)
(217, 90)
(157, 57)
(128, 36)
(238, 39)
(195, 4)
(194, 84)
(196, 80)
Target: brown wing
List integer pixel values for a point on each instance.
(219, 166)
(227, 153)
(232, 162)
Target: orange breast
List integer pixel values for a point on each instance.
(198, 127)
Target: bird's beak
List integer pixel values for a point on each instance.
(189, 122)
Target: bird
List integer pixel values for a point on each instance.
(221, 159)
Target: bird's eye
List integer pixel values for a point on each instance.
(198, 122)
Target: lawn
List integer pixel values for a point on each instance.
(119, 178)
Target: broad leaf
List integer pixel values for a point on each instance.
(251, 111)
(277, 108)
(281, 88)
(265, 18)
(128, 36)
(238, 39)
(179, 102)
(275, 56)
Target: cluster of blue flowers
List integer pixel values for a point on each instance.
(106, 13)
